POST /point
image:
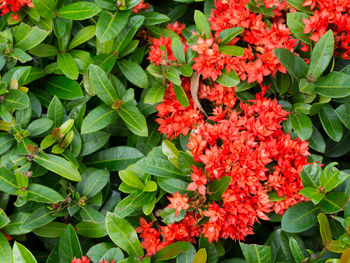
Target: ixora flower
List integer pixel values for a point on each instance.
(14, 6)
(85, 259)
(178, 202)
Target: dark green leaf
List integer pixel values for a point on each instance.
(228, 34)
(334, 85)
(171, 251)
(218, 187)
(154, 18)
(109, 25)
(68, 245)
(97, 119)
(68, 66)
(331, 177)
(133, 119)
(202, 23)
(330, 122)
(301, 124)
(228, 79)
(296, 26)
(159, 167)
(256, 253)
(41, 193)
(134, 73)
(79, 11)
(294, 64)
(181, 96)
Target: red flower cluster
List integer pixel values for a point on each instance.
(258, 60)
(140, 6)
(246, 145)
(330, 14)
(175, 119)
(155, 239)
(14, 6)
(85, 259)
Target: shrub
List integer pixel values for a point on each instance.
(174, 131)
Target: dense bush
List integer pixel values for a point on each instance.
(174, 131)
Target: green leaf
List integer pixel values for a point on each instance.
(331, 177)
(172, 185)
(6, 142)
(202, 23)
(299, 217)
(123, 235)
(170, 150)
(154, 18)
(155, 94)
(187, 257)
(311, 175)
(159, 167)
(68, 66)
(92, 142)
(46, 8)
(218, 187)
(232, 50)
(325, 229)
(5, 250)
(334, 85)
(17, 99)
(343, 113)
(97, 119)
(20, 55)
(296, 26)
(8, 182)
(79, 11)
(4, 220)
(39, 126)
(330, 122)
(228, 79)
(313, 194)
(39, 218)
(169, 217)
(131, 179)
(94, 181)
(27, 37)
(299, 5)
(21, 254)
(173, 74)
(201, 256)
(134, 73)
(228, 34)
(59, 165)
(85, 34)
(55, 112)
(109, 25)
(321, 55)
(68, 245)
(301, 124)
(64, 88)
(42, 193)
(178, 50)
(256, 253)
(317, 142)
(295, 65)
(91, 230)
(51, 230)
(102, 85)
(114, 158)
(297, 251)
(133, 119)
(171, 251)
(181, 96)
(334, 202)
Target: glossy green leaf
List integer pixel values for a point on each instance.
(154, 18)
(311, 175)
(123, 235)
(325, 229)
(5, 250)
(68, 66)
(85, 34)
(294, 64)
(39, 126)
(68, 245)
(218, 187)
(228, 79)
(256, 254)
(27, 37)
(228, 34)
(321, 55)
(201, 256)
(202, 23)
(21, 254)
(114, 158)
(16, 99)
(131, 179)
(79, 11)
(93, 142)
(313, 194)
(8, 182)
(297, 251)
(109, 25)
(58, 165)
(46, 8)
(300, 217)
(331, 177)
(97, 119)
(55, 112)
(41, 193)
(134, 73)
(91, 230)
(51, 230)
(296, 26)
(133, 119)
(171, 251)
(232, 50)
(172, 185)
(159, 167)
(343, 113)
(38, 218)
(330, 122)
(301, 124)
(334, 85)
(334, 202)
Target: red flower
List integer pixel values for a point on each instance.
(161, 52)
(178, 202)
(84, 259)
(140, 6)
(14, 6)
(199, 181)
